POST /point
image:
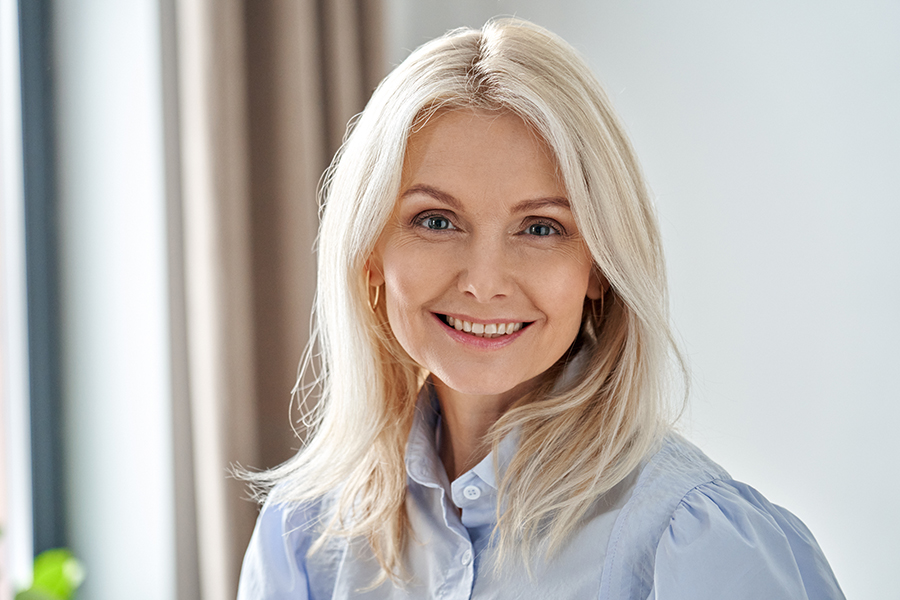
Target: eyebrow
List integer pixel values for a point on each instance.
(453, 202)
(435, 193)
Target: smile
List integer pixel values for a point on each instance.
(485, 330)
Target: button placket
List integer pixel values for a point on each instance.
(466, 558)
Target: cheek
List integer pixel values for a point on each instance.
(412, 283)
(568, 312)
(410, 276)
(562, 287)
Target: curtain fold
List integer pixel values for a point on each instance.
(265, 89)
(309, 66)
(218, 302)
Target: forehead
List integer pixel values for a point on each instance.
(478, 151)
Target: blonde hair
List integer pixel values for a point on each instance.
(576, 441)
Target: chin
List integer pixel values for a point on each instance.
(475, 385)
(482, 391)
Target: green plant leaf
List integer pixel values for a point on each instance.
(57, 574)
(32, 594)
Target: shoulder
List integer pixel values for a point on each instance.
(690, 531)
(275, 564)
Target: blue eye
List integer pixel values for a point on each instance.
(437, 222)
(541, 229)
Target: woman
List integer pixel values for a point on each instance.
(493, 330)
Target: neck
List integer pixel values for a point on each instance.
(466, 420)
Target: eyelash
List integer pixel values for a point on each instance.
(422, 219)
(553, 225)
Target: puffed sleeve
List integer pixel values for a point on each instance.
(725, 540)
(275, 562)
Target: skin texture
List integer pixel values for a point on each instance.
(482, 232)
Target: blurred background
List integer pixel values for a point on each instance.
(158, 167)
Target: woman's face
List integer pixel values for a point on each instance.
(485, 272)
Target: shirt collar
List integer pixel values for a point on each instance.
(422, 462)
(505, 451)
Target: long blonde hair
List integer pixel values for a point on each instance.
(576, 441)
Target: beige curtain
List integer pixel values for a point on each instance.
(310, 67)
(265, 89)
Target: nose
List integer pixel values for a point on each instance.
(486, 270)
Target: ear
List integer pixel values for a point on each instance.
(597, 285)
(375, 267)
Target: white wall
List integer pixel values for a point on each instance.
(115, 326)
(16, 547)
(770, 133)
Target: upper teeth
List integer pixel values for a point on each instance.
(482, 329)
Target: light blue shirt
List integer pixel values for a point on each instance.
(678, 528)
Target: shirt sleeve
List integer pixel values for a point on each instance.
(275, 562)
(725, 540)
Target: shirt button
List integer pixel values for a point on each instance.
(472, 492)
(466, 558)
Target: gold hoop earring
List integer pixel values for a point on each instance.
(372, 304)
(602, 296)
(597, 319)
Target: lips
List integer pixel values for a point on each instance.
(484, 330)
